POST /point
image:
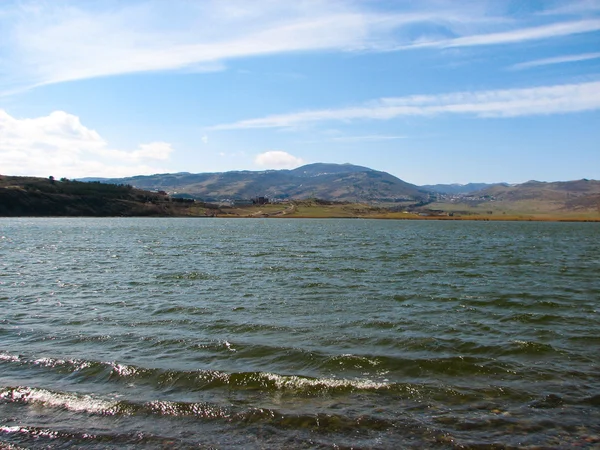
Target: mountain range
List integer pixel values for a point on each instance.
(325, 184)
(352, 183)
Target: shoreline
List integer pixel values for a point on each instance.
(473, 218)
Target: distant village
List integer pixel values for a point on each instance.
(461, 198)
(259, 200)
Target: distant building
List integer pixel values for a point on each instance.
(260, 200)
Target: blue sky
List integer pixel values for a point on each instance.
(430, 91)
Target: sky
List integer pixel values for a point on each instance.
(434, 91)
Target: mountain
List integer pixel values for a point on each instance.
(580, 197)
(339, 182)
(556, 190)
(572, 195)
(459, 188)
(316, 169)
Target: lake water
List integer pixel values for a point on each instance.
(255, 333)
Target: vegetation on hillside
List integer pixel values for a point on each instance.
(30, 196)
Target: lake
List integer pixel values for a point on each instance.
(292, 333)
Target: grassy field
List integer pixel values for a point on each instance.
(317, 209)
(309, 208)
(517, 210)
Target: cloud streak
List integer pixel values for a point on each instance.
(545, 100)
(516, 36)
(556, 60)
(51, 42)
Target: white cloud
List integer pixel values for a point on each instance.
(544, 100)
(277, 159)
(556, 60)
(574, 7)
(62, 41)
(59, 144)
(515, 36)
(204, 139)
(50, 42)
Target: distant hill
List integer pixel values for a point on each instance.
(30, 196)
(557, 190)
(567, 195)
(460, 188)
(533, 197)
(339, 182)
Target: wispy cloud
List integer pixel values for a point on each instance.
(544, 100)
(515, 36)
(50, 42)
(555, 60)
(573, 7)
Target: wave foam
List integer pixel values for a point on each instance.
(72, 402)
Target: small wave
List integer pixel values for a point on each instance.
(206, 412)
(379, 324)
(260, 254)
(302, 383)
(199, 379)
(353, 270)
(238, 328)
(193, 275)
(528, 347)
(354, 362)
(532, 318)
(57, 438)
(368, 366)
(72, 402)
(549, 401)
(313, 284)
(180, 310)
(9, 358)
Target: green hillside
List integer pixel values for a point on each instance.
(30, 196)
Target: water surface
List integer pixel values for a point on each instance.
(218, 333)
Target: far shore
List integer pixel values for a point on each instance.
(391, 216)
(314, 210)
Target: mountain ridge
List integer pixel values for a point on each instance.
(353, 183)
(338, 182)
(559, 200)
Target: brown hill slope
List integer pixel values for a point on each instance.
(559, 191)
(339, 182)
(532, 197)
